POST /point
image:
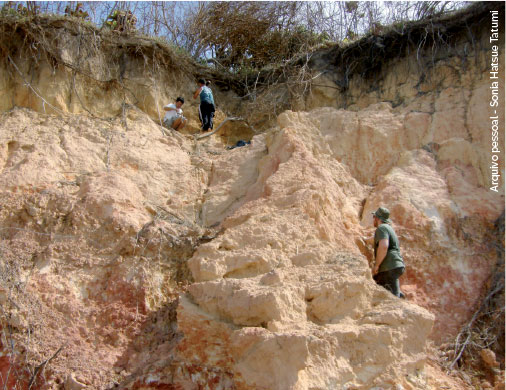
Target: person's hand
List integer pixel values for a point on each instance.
(375, 270)
(368, 240)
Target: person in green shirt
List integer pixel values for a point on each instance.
(389, 265)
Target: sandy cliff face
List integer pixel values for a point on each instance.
(434, 194)
(96, 222)
(99, 220)
(139, 259)
(286, 287)
(59, 66)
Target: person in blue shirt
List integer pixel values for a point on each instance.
(206, 108)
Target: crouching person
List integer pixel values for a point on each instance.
(174, 118)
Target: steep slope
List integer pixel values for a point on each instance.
(287, 264)
(137, 258)
(96, 224)
(104, 247)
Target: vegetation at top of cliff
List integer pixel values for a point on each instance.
(431, 39)
(235, 36)
(267, 52)
(249, 45)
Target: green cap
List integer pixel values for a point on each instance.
(383, 213)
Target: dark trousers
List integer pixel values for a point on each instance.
(206, 113)
(390, 280)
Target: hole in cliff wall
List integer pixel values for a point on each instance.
(12, 146)
(234, 131)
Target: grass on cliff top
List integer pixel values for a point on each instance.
(430, 39)
(44, 28)
(363, 55)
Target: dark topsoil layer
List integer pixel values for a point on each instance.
(430, 39)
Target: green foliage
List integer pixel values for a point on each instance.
(183, 52)
(376, 28)
(77, 12)
(399, 26)
(8, 11)
(350, 35)
(201, 60)
(121, 21)
(351, 6)
(240, 35)
(12, 8)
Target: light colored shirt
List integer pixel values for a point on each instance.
(175, 112)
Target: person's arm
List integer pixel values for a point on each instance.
(381, 253)
(197, 93)
(170, 107)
